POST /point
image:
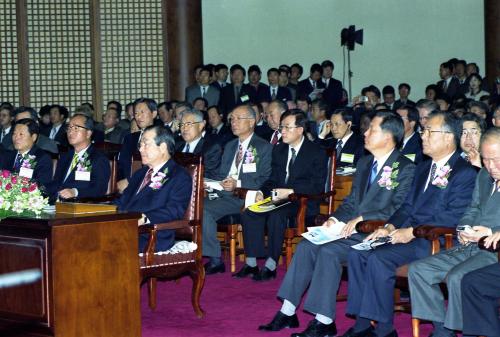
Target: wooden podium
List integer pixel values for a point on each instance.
(90, 282)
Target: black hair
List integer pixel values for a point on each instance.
(220, 67)
(284, 67)
(371, 88)
(163, 135)
(316, 67)
(44, 110)
(298, 66)
(253, 68)
(321, 104)
(10, 109)
(404, 85)
(392, 123)
(451, 123)
(413, 115)
(208, 69)
(89, 122)
(345, 113)
(33, 114)
(470, 117)
(327, 63)
(448, 65)
(281, 104)
(201, 99)
(165, 104)
(62, 110)
(91, 106)
(151, 103)
(32, 125)
(443, 97)
(304, 98)
(388, 89)
(271, 70)
(300, 117)
(119, 107)
(235, 67)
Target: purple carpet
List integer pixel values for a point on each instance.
(232, 308)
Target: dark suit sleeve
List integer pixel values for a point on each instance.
(99, 178)
(273, 179)
(212, 156)
(43, 170)
(405, 178)
(314, 182)
(473, 212)
(125, 157)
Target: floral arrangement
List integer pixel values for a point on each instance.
(84, 164)
(251, 155)
(159, 179)
(441, 178)
(19, 194)
(28, 161)
(388, 177)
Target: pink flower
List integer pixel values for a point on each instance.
(8, 187)
(24, 190)
(5, 173)
(32, 187)
(13, 179)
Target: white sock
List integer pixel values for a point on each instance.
(323, 319)
(251, 261)
(270, 264)
(288, 308)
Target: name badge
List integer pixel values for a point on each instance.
(244, 98)
(410, 156)
(26, 172)
(347, 158)
(82, 176)
(249, 168)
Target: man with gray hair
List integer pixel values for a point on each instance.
(246, 163)
(193, 141)
(271, 132)
(479, 220)
(425, 107)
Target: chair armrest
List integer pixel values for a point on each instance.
(320, 219)
(319, 196)
(369, 226)
(432, 233)
(240, 192)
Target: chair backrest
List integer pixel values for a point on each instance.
(332, 168)
(136, 164)
(111, 151)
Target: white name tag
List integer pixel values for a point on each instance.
(410, 156)
(244, 98)
(26, 172)
(82, 176)
(249, 168)
(347, 158)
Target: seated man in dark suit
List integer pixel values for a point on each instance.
(83, 171)
(270, 131)
(349, 146)
(275, 90)
(319, 267)
(451, 265)
(440, 192)
(412, 143)
(58, 116)
(235, 93)
(113, 133)
(193, 141)
(216, 127)
(246, 163)
(27, 160)
(480, 297)
(311, 85)
(319, 109)
(161, 190)
(298, 166)
(145, 111)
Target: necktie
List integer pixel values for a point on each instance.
(273, 94)
(290, 163)
(186, 149)
(373, 173)
(18, 162)
(214, 131)
(3, 134)
(53, 133)
(445, 86)
(275, 138)
(146, 180)
(236, 93)
(314, 84)
(338, 149)
(239, 156)
(203, 91)
(74, 161)
(433, 173)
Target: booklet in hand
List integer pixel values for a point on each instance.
(321, 234)
(268, 205)
(372, 244)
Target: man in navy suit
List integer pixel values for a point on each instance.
(275, 92)
(28, 160)
(440, 192)
(193, 141)
(58, 116)
(161, 190)
(449, 85)
(220, 132)
(333, 88)
(298, 166)
(145, 111)
(258, 90)
(480, 295)
(221, 73)
(246, 163)
(404, 90)
(83, 171)
(349, 146)
(235, 93)
(412, 143)
(6, 120)
(309, 86)
(271, 131)
(319, 267)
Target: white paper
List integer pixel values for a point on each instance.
(345, 171)
(322, 234)
(250, 198)
(249, 168)
(82, 176)
(368, 245)
(213, 184)
(26, 172)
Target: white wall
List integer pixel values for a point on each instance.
(404, 40)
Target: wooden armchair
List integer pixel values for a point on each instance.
(155, 266)
(293, 235)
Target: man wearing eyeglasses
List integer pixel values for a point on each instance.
(83, 171)
(298, 166)
(192, 129)
(246, 164)
(440, 192)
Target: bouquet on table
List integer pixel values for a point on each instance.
(19, 195)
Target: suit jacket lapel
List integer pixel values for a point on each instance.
(373, 190)
(147, 190)
(364, 174)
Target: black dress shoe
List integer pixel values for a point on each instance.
(365, 333)
(281, 321)
(211, 269)
(246, 270)
(264, 275)
(317, 329)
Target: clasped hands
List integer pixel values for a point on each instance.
(277, 194)
(401, 235)
(479, 231)
(349, 227)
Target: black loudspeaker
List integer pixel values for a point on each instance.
(350, 36)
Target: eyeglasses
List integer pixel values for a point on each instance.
(428, 132)
(288, 128)
(239, 119)
(470, 132)
(75, 128)
(187, 124)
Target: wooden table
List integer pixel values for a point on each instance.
(90, 282)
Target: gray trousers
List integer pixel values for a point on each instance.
(213, 210)
(320, 268)
(424, 276)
